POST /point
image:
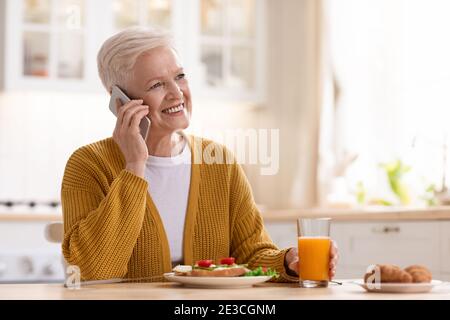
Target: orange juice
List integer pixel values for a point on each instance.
(314, 258)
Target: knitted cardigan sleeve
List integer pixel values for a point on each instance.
(250, 241)
(101, 224)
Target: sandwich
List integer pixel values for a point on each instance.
(226, 268)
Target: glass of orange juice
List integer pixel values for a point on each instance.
(314, 252)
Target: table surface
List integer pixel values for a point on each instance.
(175, 291)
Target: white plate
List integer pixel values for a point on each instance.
(400, 287)
(217, 282)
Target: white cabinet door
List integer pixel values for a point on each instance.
(283, 234)
(445, 249)
(400, 243)
(48, 45)
(231, 49)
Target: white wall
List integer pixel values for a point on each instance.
(38, 132)
(2, 39)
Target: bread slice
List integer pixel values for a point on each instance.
(219, 272)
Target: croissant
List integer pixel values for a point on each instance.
(419, 274)
(390, 273)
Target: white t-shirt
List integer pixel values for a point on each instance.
(168, 184)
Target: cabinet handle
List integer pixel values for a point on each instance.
(386, 229)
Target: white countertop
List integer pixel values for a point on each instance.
(356, 214)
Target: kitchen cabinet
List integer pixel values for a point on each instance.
(25, 254)
(231, 48)
(52, 45)
(284, 234)
(47, 45)
(400, 243)
(445, 249)
(397, 242)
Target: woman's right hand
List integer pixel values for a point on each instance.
(127, 135)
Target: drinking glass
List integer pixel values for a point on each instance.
(314, 252)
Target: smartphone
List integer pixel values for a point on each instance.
(117, 93)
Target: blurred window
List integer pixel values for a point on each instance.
(387, 90)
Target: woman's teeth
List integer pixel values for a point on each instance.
(174, 109)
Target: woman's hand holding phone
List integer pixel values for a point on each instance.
(127, 135)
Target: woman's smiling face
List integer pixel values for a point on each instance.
(160, 81)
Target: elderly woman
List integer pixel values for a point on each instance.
(134, 208)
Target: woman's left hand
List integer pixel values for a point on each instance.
(291, 259)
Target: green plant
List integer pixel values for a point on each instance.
(430, 195)
(380, 202)
(395, 171)
(360, 193)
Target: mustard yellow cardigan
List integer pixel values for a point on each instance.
(112, 228)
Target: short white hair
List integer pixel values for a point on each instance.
(119, 53)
